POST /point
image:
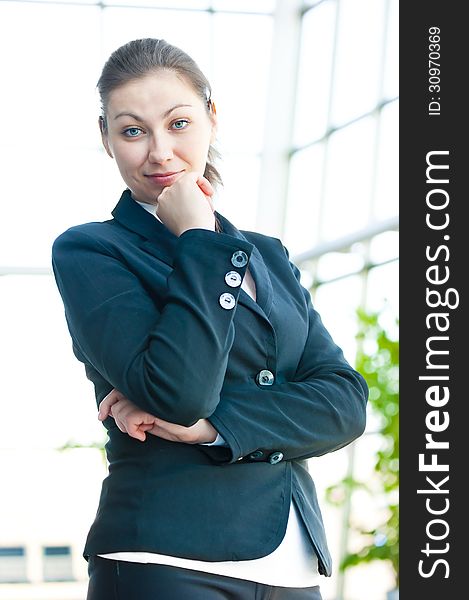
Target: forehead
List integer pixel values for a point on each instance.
(159, 90)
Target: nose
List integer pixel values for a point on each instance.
(160, 149)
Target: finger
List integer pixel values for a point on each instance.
(209, 200)
(146, 426)
(161, 195)
(137, 433)
(205, 185)
(108, 401)
(131, 429)
(118, 410)
(170, 428)
(121, 426)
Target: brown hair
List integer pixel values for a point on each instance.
(140, 57)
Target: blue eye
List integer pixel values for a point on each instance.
(180, 124)
(132, 132)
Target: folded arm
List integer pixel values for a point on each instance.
(169, 362)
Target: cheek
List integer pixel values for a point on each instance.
(198, 148)
(129, 156)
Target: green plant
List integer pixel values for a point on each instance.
(98, 445)
(378, 361)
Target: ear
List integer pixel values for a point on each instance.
(104, 136)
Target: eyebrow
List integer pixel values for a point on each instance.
(137, 118)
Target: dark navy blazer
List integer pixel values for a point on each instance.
(144, 312)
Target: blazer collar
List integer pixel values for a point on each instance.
(161, 242)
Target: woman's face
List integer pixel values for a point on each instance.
(157, 129)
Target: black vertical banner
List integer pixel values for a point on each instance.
(434, 267)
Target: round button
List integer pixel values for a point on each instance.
(227, 301)
(239, 258)
(275, 457)
(256, 454)
(265, 377)
(233, 279)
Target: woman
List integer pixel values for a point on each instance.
(213, 373)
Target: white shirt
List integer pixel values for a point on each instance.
(292, 564)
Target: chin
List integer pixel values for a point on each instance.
(142, 195)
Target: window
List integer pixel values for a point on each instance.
(12, 565)
(57, 563)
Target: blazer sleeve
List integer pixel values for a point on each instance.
(321, 410)
(170, 361)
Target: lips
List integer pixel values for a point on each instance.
(166, 179)
(163, 174)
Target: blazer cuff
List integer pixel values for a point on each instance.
(219, 441)
(230, 440)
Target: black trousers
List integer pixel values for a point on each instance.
(122, 580)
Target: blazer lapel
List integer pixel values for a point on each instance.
(160, 242)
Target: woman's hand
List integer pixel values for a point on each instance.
(128, 417)
(137, 423)
(201, 432)
(187, 204)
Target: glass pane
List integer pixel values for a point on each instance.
(377, 573)
(349, 179)
(314, 75)
(368, 510)
(304, 196)
(66, 490)
(391, 68)
(368, 507)
(13, 565)
(338, 264)
(383, 295)
(64, 1)
(237, 199)
(188, 30)
(358, 62)
(35, 337)
(262, 6)
(240, 80)
(168, 4)
(384, 247)
(337, 303)
(57, 563)
(309, 3)
(386, 203)
(57, 199)
(51, 82)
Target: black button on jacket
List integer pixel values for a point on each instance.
(143, 311)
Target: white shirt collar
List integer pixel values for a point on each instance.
(151, 208)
